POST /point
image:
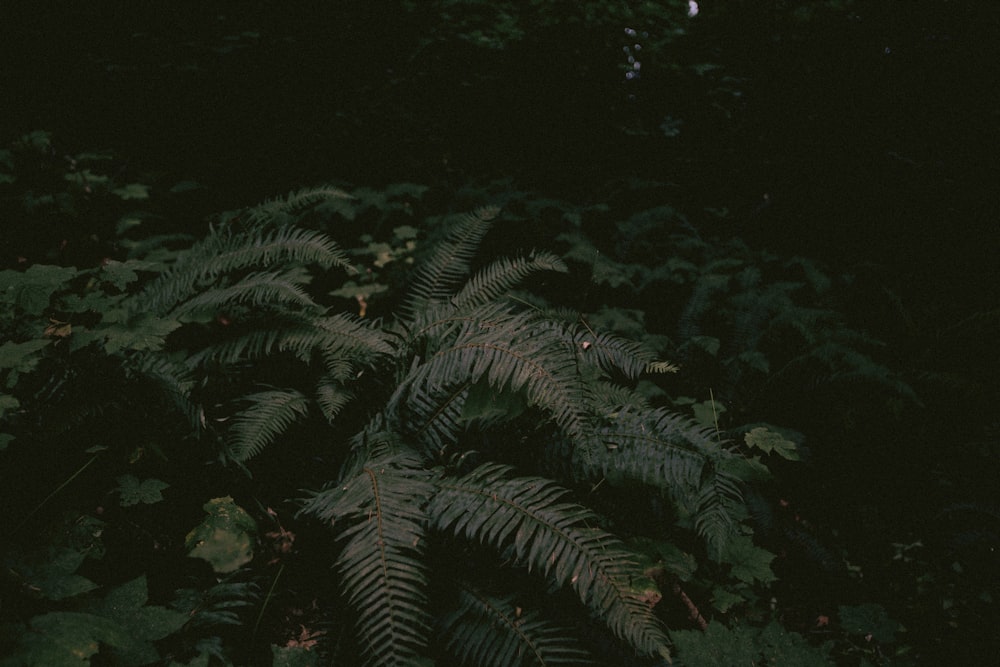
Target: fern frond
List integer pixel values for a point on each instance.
(433, 420)
(268, 414)
(607, 399)
(611, 353)
(657, 447)
(553, 537)
(176, 381)
(717, 508)
(294, 203)
(440, 274)
(224, 251)
(499, 277)
(375, 442)
(284, 287)
(439, 325)
(493, 632)
(669, 451)
(662, 367)
(340, 339)
(383, 574)
(511, 353)
(332, 397)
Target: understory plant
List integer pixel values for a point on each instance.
(500, 480)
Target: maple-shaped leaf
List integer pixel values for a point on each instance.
(142, 332)
(32, 289)
(119, 274)
(768, 441)
(749, 562)
(125, 605)
(225, 538)
(133, 491)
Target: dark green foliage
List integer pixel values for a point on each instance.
(493, 632)
(453, 338)
(719, 645)
(471, 423)
(525, 518)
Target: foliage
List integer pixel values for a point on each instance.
(498, 470)
(772, 645)
(225, 538)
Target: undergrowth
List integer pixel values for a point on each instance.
(352, 426)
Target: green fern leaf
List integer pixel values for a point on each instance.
(332, 397)
(672, 452)
(612, 354)
(284, 287)
(449, 264)
(224, 251)
(499, 277)
(526, 516)
(513, 352)
(493, 632)
(382, 571)
(269, 414)
(340, 339)
(657, 447)
(296, 202)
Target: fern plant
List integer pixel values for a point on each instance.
(470, 417)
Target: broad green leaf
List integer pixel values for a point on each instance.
(768, 441)
(746, 469)
(749, 562)
(32, 289)
(126, 606)
(185, 186)
(66, 639)
(145, 332)
(869, 619)
(708, 412)
(405, 232)
(133, 491)
(52, 572)
(225, 538)
(724, 599)
(22, 357)
(8, 402)
(133, 191)
(127, 222)
(86, 177)
(119, 274)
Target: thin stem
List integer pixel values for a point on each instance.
(51, 495)
(263, 606)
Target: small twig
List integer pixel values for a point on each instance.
(693, 612)
(715, 414)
